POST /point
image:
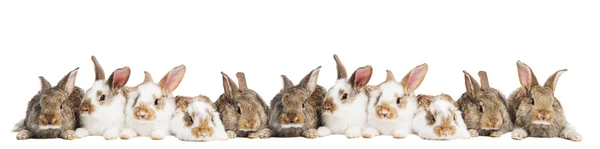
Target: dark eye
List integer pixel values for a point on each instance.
(480, 108)
(432, 119)
(238, 109)
(345, 96)
(304, 105)
(156, 101)
(37, 106)
(61, 106)
(102, 98)
(190, 119)
(531, 102)
(398, 100)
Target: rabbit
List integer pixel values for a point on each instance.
(345, 106)
(295, 110)
(243, 112)
(53, 111)
(438, 118)
(150, 106)
(484, 108)
(197, 119)
(103, 108)
(393, 104)
(534, 109)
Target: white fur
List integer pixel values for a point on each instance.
(106, 120)
(347, 118)
(400, 126)
(181, 131)
(157, 128)
(49, 127)
(541, 122)
(423, 130)
(292, 126)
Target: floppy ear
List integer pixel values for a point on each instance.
(485, 84)
(45, 84)
(242, 81)
(98, 69)
(182, 101)
(287, 83)
(172, 79)
(340, 68)
(228, 85)
(119, 78)
(309, 82)
(526, 76)
(413, 79)
(361, 76)
(67, 83)
(471, 84)
(424, 100)
(553, 79)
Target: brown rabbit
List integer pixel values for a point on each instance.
(535, 110)
(53, 112)
(484, 108)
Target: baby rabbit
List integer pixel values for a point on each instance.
(53, 111)
(243, 111)
(535, 110)
(196, 119)
(438, 118)
(295, 110)
(484, 108)
(345, 108)
(102, 110)
(150, 107)
(392, 105)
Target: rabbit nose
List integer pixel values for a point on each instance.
(493, 123)
(50, 120)
(292, 118)
(544, 115)
(142, 115)
(384, 113)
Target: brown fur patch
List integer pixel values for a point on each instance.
(203, 128)
(149, 113)
(403, 100)
(50, 120)
(292, 118)
(87, 107)
(188, 119)
(328, 105)
(248, 124)
(446, 128)
(161, 102)
(386, 111)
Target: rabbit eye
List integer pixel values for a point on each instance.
(37, 106)
(156, 101)
(480, 108)
(190, 119)
(102, 98)
(398, 100)
(61, 106)
(432, 119)
(238, 109)
(304, 105)
(345, 96)
(531, 102)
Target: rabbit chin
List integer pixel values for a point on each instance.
(541, 122)
(50, 127)
(292, 126)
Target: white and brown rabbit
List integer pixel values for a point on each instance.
(392, 105)
(345, 106)
(53, 112)
(534, 109)
(243, 112)
(151, 105)
(295, 110)
(103, 108)
(197, 119)
(484, 108)
(438, 118)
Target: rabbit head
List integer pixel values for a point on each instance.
(484, 107)
(245, 109)
(153, 98)
(441, 118)
(346, 91)
(103, 92)
(393, 97)
(197, 119)
(51, 108)
(295, 101)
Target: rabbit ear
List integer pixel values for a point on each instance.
(470, 83)
(45, 84)
(389, 76)
(228, 85)
(485, 84)
(119, 78)
(172, 79)
(67, 83)
(424, 100)
(182, 101)
(98, 69)
(413, 79)
(341, 70)
(526, 76)
(147, 77)
(553, 79)
(361, 76)
(287, 83)
(242, 81)
(309, 82)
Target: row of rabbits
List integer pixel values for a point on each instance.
(351, 107)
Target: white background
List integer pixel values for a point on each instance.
(265, 39)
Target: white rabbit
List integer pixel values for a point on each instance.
(196, 119)
(102, 109)
(392, 105)
(150, 107)
(345, 106)
(438, 118)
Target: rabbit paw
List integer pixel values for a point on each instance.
(81, 132)
(128, 134)
(370, 133)
(265, 133)
(68, 135)
(111, 134)
(253, 135)
(495, 134)
(311, 134)
(231, 134)
(473, 132)
(353, 133)
(23, 135)
(158, 135)
(519, 134)
(399, 134)
(323, 131)
(573, 136)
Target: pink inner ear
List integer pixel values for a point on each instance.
(174, 79)
(120, 78)
(362, 77)
(525, 76)
(415, 79)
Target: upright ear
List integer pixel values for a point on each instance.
(242, 81)
(342, 74)
(413, 79)
(45, 84)
(424, 100)
(147, 77)
(526, 76)
(471, 84)
(485, 84)
(67, 83)
(553, 79)
(119, 78)
(361, 76)
(389, 76)
(172, 79)
(228, 85)
(287, 83)
(98, 69)
(309, 82)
